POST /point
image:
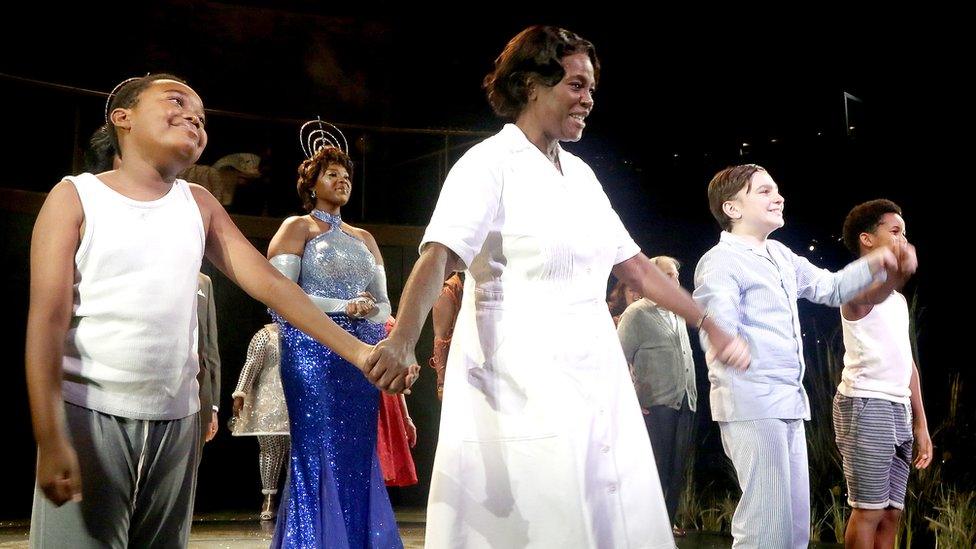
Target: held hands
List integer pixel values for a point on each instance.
(58, 474)
(898, 259)
(733, 351)
(391, 366)
(883, 259)
(362, 306)
(907, 260)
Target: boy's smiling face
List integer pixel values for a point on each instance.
(758, 207)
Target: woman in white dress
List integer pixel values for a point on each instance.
(541, 442)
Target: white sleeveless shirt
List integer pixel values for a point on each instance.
(878, 354)
(131, 348)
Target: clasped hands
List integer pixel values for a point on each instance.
(391, 365)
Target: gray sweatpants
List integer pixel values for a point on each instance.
(137, 481)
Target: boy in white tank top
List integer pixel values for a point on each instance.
(111, 331)
(878, 408)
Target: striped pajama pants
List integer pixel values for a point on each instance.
(770, 460)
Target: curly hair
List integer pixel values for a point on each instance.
(311, 169)
(535, 54)
(864, 218)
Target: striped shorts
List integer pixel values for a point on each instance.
(875, 440)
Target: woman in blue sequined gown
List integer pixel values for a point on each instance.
(335, 496)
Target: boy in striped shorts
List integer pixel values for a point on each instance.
(879, 393)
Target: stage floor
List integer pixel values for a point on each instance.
(232, 531)
(244, 531)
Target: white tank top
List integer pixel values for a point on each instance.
(131, 348)
(878, 354)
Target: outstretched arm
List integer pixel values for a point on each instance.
(879, 290)
(640, 273)
(391, 360)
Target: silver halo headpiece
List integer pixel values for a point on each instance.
(316, 134)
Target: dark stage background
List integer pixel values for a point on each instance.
(679, 98)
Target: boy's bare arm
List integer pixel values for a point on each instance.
(920, 427)
(54, 243)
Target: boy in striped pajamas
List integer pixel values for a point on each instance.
(879, 393)
(750, 285)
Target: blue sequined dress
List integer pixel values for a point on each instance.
(335, 496)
